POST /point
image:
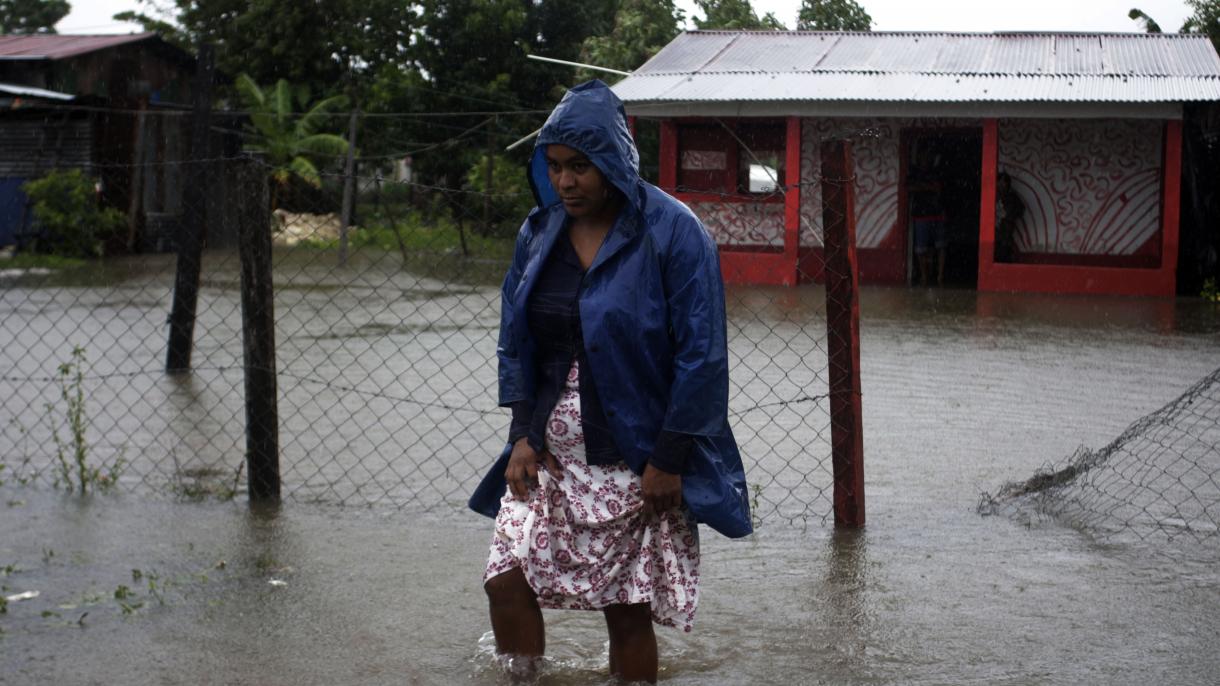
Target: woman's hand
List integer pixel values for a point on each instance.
(522, 470)
(662, 490)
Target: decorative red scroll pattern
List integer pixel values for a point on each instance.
(737, 223)
(1090, 187)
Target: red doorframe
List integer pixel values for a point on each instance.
(901, 241)
(1048, 278)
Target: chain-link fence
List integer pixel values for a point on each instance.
(385, 320)
(1157, 482)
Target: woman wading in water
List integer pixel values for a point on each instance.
(612, 356)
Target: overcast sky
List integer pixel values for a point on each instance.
(94, 16)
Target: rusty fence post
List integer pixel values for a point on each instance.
(258, 335)
(196, 212)
(843, 332)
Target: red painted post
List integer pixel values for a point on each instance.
(987, 200)
(843, 332)
(792, 202)
(667, 175)
(1171, 206)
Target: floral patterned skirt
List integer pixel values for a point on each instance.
(584, 542)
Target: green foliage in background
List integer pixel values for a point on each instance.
(332, 46)
(734, 15)
(1210, 292)
(32, 16)
(1205, 19)
(640, 29)
(511, 197)
(291, 144)
(67, 215)
(833, 15)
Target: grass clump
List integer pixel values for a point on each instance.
(75, 471)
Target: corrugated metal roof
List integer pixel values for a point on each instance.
(58, 46)
(930, 67)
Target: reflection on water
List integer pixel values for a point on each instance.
(843, 597)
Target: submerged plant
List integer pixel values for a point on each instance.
(1210, 292)
(72, 455)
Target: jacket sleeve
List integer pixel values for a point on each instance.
(694, 292)
(512, 387)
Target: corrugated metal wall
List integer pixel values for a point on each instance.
(30, 146)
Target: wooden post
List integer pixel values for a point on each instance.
(191, 235)
(843, 332)
(349, 186)
(489, 179)
(258, 337)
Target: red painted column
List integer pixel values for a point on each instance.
(667, 175)
(843, 333)
(1171, 205)
(631, 126)
(792, 202)
(991, 160)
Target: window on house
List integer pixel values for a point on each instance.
(760, 162)
(748, 160)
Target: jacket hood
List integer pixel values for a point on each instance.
(591, 119)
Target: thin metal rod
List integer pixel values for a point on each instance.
(528, 137)
(582, 65)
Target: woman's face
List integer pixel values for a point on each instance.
(580, 184)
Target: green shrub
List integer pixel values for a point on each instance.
(69, 221)
(511, 197)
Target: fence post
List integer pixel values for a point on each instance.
(843, 332)
(349, 185)
(190, 243)
(258, 335)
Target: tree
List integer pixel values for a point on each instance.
(833, 15)
(286, 141)
(641, 29)
(32, 16)
(1205, 20)
(331, 46)
(1149, 24)
(734, 15)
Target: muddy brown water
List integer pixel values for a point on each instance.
(962, 392)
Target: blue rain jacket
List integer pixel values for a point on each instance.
(651, 311)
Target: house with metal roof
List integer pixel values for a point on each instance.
(1004, 161)
(109, 105)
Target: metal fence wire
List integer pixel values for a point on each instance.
(1157, 483)
(384, 347)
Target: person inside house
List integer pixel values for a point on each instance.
(930, 224)
(1009, 209)
(613, 358)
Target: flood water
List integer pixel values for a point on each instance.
(962, 392)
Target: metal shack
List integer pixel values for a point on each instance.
(1084, 130)
(113, 106)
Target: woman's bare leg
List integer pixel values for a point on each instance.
(633, 645)
(516, 618)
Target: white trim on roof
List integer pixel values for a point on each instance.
(29, 92)
(975, 110)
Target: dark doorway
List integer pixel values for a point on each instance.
(941, 179)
